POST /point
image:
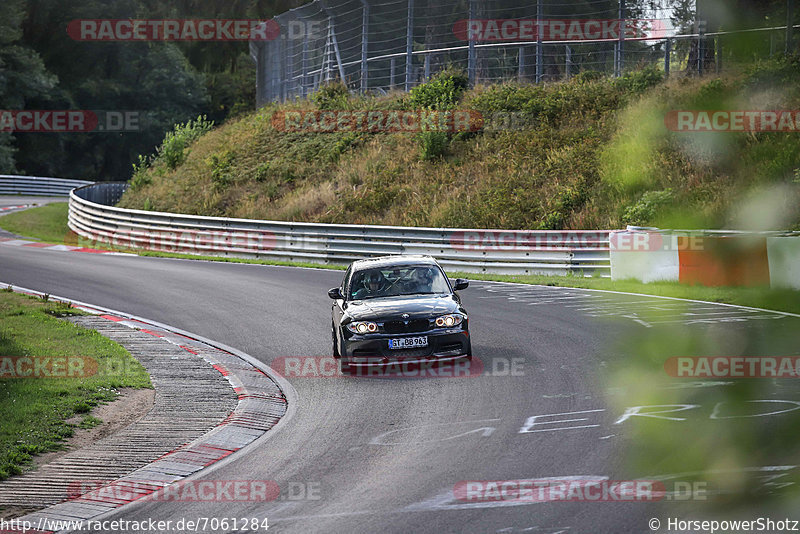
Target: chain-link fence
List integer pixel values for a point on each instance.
(379, 45)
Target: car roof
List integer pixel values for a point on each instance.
(394, 261)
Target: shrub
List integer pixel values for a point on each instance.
(638, 81)
(332, 95)
(645, 209)
(433, 144)
(220, 166)
(442, 92)
(587, 76)
(172, 151)
(140, 176)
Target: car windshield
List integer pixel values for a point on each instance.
(394, 281)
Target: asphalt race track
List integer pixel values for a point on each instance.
(365, 454)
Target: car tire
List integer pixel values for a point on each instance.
(333, 341)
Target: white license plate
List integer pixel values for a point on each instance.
(408, 342)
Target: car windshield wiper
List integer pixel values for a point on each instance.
(373, 297)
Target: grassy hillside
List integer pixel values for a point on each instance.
(596, 154)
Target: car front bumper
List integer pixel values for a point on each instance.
(373, 349)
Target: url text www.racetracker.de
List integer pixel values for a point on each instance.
(150, 526)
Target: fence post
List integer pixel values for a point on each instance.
(701, 46)
(427, 67)
(304, 66)
(621, 43)
(718, 54)
(409, 43)
(789, 26)
(539, 51)
(471, 59)
(392, 67)
(520, 63)
(667, 53)
(335, 44)
(568, 65)
(364, 33)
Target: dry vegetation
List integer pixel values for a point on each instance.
(598, 156)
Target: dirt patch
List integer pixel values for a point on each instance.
(130, 406)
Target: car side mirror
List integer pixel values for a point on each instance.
(461, 283)
(335, 293)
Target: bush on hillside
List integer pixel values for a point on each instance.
(331, 95)
(442, 92)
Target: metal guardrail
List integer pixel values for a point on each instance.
(93, 217)
(38, 186)
(713, 233)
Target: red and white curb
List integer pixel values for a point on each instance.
(12, 242)
(266, 402)
(21, 206)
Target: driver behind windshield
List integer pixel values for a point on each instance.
(374, 285)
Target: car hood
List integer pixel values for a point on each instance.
(388, 308)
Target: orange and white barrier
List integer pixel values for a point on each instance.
(710, 260)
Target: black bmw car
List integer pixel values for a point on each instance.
(398, 309)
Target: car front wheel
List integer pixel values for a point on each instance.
(333, 341)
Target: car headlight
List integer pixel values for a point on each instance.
(446, 321)
(362, 327)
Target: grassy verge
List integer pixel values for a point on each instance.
(35, 410)
(47, 223)
(757, 297)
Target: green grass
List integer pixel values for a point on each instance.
(46, 223)
(757, 297)
(34, 410)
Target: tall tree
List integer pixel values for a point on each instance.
(22, 74)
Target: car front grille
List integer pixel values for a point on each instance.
(405, 354)
(406, 327)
